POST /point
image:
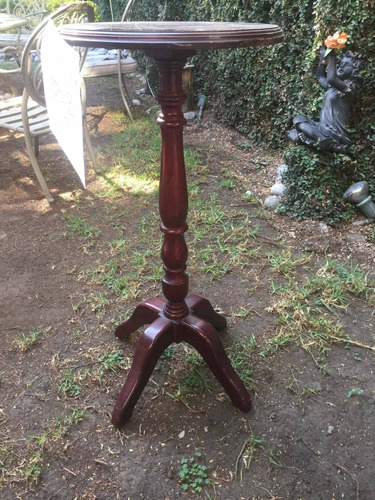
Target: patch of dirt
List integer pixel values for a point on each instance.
(312, 444)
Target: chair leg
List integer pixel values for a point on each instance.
(38, 173)
(89, 145)
(30, 148)
(85, 127)
(122, 86)
(36, 145)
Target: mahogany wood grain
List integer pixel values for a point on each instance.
(177, 318)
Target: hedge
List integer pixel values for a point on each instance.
(258, 91)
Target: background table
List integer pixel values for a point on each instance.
(10, 22)
(178, 318)
(10, 44)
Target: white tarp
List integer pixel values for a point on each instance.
(62, 87)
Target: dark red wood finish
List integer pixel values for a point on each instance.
(178, 318)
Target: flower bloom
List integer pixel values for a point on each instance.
(337, 41)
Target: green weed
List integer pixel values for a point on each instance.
(248, 454)
(284, 263)
(77, 226)
(355, 391)
(307, 392)
(70, 383)
(193, 475)
(300, 308)
(110, 361)
(241, 355)
(26, 341)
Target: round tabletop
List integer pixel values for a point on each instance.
(171, 35)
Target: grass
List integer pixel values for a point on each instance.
(241, 355)
(125, 277)
(23, 460)
(191, 377)
(99, 364)
(77, 227)
(249, 451)
(308, 312)
(98, 304)
(25, 341)
(70, 383)
(283, 263)
(222, 239)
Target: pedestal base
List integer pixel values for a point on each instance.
(197, 328)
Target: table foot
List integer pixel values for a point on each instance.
(203, 309)
(204, 338)
(145, 313)
(162, 332)
(151, 345)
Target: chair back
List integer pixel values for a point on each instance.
(31, 66)
(33, 10)
(128, 11)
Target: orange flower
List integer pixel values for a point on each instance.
(337, 41)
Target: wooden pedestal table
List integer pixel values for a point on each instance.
(178, 317)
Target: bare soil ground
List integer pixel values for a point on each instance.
(311, 432)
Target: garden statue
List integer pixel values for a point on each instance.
(342, 85)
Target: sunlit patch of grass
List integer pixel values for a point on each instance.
(77, 226)
(135, 156)
(125, 277)
(119, 180)
(223, 240)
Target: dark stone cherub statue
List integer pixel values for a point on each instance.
(342, 84)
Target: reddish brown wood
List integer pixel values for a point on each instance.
(151, 344)
(175, 319)
(177, 36)
(163, 331)
(145, 313)
(203, 309)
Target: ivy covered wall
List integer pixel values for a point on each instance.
(259, 90)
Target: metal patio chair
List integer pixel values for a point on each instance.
(27, 114)
(32, 13)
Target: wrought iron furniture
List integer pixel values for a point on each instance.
(27, 114)
(179, 317)
(23, 17)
